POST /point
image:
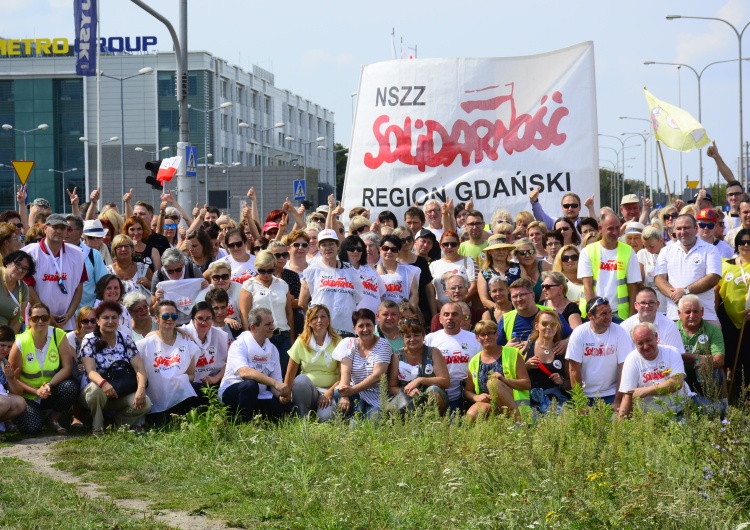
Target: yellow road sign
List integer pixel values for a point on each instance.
(692, 184)
(23, 169)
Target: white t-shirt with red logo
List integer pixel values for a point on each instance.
(246, 352)
(233, 308)
(606, 284)
(212, 355)
(241, 270)
(599, 355)
(373, 288)
(69, 264)
(457, 350)
(463, 267)
(637, 372)
(397, 284)
(338, 289)
(166, 368)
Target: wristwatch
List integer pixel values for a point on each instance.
(687, 290)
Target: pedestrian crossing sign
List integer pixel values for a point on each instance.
(300, 192)
(191, 153)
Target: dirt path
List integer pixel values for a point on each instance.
(38, 452)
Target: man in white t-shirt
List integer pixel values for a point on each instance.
(688, 266)
(457, 346)
(252, 379)
(653, 373)
(433, 212)
(605, 264)
(596, 351)
(60, 273)
(647, 305)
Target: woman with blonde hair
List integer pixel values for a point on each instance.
(312, 373)
(134, 276)
(546, 369)
(358, 225)
(566, 262)
(502, 366)
(535, 232)
(523, 219)
(503, 229)
(266, 290)
(112, 221)
(668, 215)
(531, 266)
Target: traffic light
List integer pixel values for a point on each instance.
(153, 167)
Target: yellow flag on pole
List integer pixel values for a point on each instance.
(675, 127)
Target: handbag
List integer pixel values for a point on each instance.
(121, 376)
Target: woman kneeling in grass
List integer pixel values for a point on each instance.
(501, 367)
(417, 372)
(311, 355)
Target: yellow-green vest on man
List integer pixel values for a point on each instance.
(624, 252)
(31, 373)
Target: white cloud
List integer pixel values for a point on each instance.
(714, 37)
(316, 58)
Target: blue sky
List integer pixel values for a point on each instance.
(317, 49)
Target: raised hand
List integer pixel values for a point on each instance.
(166, 197)
(647, 203)
(712, 150)
(470, 204)
(129, 196)
(21, 196)
(196, 210)
(251, 194)
(588, 203)
(95, 195)
(534, 194)
(287, 206)
(73, 196)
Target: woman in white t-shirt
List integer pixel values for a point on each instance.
(332, 283)
(242, 263)
(454, 263)
(401, 281)
(266, 290)
(219, 274)
(373, 289)
(169, 358)
(211, 360)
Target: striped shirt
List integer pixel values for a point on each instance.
(362, 367)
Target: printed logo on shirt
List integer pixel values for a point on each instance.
(394, 287)
(260, 358)
(341, 285)
(697, 260)
(428, 369)
(183, 301)
(557, 363)
(54, 277)
(369, 285)
(164, 362)
(53, 357)
(455, 357)
(593, 349)
(205, 361)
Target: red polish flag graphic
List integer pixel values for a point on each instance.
(168, 168)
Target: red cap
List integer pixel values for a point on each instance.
(707, 214)
(269, 225)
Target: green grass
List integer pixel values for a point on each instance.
(572, 471)
(30, 501)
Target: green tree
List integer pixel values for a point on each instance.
(341, 159)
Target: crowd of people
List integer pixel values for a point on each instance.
(125, 318)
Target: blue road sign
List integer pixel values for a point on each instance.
(191, 163)
(300, 190)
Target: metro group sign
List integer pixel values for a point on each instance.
(62, 46)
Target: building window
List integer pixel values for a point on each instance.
(225, 155)
(169, 121)
(240, 94)
(166, 86)
(267, 105)
(253, 100)
(224, 122)
(224, 88)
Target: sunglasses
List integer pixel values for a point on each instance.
(734, 194)
(88, 321)
(170, 226)
(529, 252)
(566, 259)
(259, 248)
(597, 302)
(564, 228)
(743, 243)
(548, 324)
(356, 249)
(236, 244)
(167, 316)
(265, 271)
(570, 205)
(300, 245)
(546, 286)
(361, 230)
(388, 248)
(39, 318)
(174, 271)
(407, 240)
(710, 226)
(449, 244)
(671, 215)
(281, 255)
(218, 277)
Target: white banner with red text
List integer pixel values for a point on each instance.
(489, 129)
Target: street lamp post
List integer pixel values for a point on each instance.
(699, 76)
(40, 127)
(645, 145)
(279, 125)
(224, 105)
(62, 172)
(739, 34)
(142, 71)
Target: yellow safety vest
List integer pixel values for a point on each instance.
(509, 320)
(31, 373)
(624, 251)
